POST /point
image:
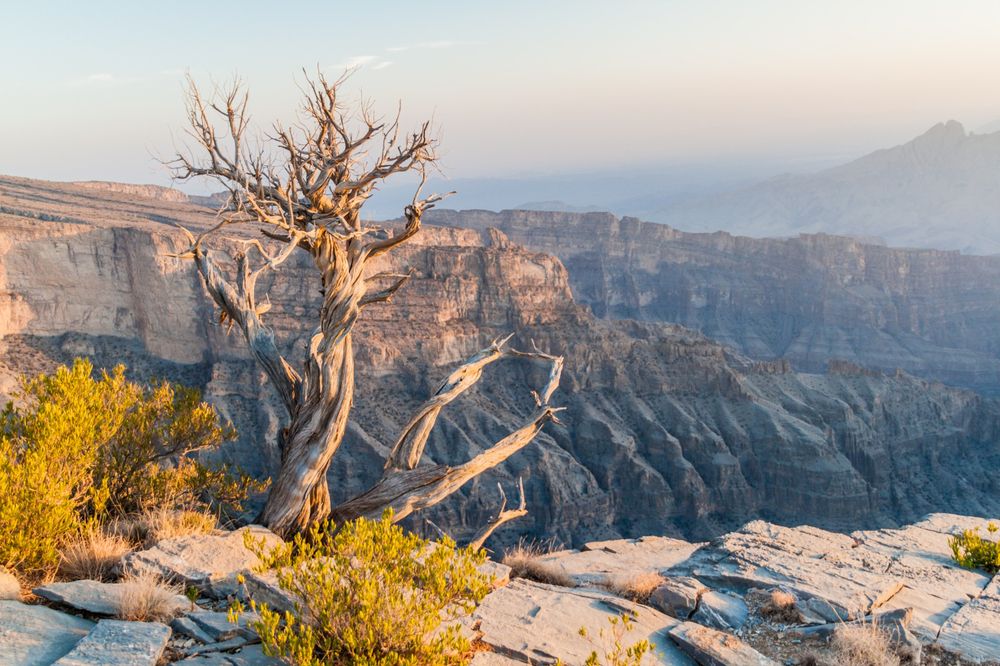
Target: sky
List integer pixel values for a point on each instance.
(94, 90)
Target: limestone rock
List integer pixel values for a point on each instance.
(678, 596)
(598, 561)
(974, 631)
(720, 610)
(37, 635)
(185, 626)
(710, 647)
(536, 623)
(218, 627)
(10, 589)
(95, 597)
(210, 562)
(119, 643)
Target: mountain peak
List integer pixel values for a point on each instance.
(950, 131)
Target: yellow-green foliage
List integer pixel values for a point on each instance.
(371, 594)
(616, 652)
(77, 450)
(973, 551)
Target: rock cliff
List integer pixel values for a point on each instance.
(666, 431)
(809, 299)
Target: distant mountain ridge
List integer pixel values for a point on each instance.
(940, 190)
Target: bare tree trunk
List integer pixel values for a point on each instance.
(311, 200)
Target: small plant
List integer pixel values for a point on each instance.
(972, 551)
(636, 587)
(615, 651)
(370, 593)
(525, 561)
(192, 594)
(92, 555)
(146, 597)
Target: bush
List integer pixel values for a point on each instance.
(863, 644)
(78, 450)
(147, 598)
(635, 587)
(370, 594)
(972, 551)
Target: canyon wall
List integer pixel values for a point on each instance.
(666, 431)
(809, 299)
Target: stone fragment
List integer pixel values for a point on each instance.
(535, 623)
(120, 643)
(263, 588)
(37, 635)
(185, 626)
(499, 572)
(252, 655)
(709, 647)
(678, 596)
(219, 628)
(210, 562)
(10, 589)
(95, 597)
(222, 646)
(720, 610)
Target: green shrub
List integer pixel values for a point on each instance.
(972, 551)
(370, 594)
(76, 451)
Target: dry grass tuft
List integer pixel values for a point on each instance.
(92, 555)
(864, 644)
(635, 587)
(162, 524)
(525, 561)
(147, 598)
(779, 606)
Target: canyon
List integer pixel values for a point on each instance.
(807, 300)
(666, 430)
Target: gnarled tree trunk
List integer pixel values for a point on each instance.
(311, 201)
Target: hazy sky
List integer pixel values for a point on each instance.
(92, 90)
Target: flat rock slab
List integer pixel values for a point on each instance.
(710, 647)
(933, 585)
(528, 622)
(218, 627)
(210, 562)
(97, 598)
(10, 589)
(120, 643)
(37, 635)
(821, 568)
(600, 560)
(974, 631)
(721, 611)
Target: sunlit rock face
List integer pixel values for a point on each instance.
(666, 431)
(809, 299)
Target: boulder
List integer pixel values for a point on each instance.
(530, 622)
(94, 597)
(37, 635)
(709, 647)
(721, 611)
(120, 643)
(678, 596)
(10, 589)
(210, 562)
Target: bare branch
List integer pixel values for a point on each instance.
(504, 515)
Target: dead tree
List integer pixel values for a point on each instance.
(304, 188)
